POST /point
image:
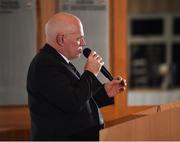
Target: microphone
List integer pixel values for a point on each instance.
(103, 70)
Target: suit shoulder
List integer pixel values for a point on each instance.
(43, 58)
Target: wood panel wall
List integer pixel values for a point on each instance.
(45, 9)
(120, 47)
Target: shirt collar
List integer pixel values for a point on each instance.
(65, 58)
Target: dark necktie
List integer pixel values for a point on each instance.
(74, 69)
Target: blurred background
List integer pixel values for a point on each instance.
(138, 39)
(153, 47)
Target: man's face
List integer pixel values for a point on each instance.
(74, 42)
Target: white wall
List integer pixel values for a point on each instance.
(17, 47)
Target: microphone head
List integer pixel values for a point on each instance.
(86, 52)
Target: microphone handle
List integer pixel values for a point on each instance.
(106, 73)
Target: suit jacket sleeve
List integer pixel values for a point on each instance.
(101, 97)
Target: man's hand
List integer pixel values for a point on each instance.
(94, 63)
(115, 86)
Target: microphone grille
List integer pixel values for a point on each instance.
(86, 52)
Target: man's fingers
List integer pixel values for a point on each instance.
(118, 78)
(122, 88)
(116, 81)
(123, 82)
(93, 53)
(96, 56)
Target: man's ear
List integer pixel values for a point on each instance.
(60, 40)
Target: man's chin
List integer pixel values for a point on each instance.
(79, 55)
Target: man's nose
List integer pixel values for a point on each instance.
(83, 42)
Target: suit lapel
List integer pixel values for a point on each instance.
(70, 69)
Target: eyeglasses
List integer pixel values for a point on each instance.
(78, 38)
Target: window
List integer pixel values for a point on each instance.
(154, 44)
(176, 26)
(147, 27)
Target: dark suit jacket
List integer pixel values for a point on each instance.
(61, 103)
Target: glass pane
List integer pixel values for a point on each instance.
(145, 63)
(146, 27)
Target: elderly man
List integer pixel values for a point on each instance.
(62, 103)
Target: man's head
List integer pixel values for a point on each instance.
(65, 33)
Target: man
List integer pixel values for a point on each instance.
(61, 101)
